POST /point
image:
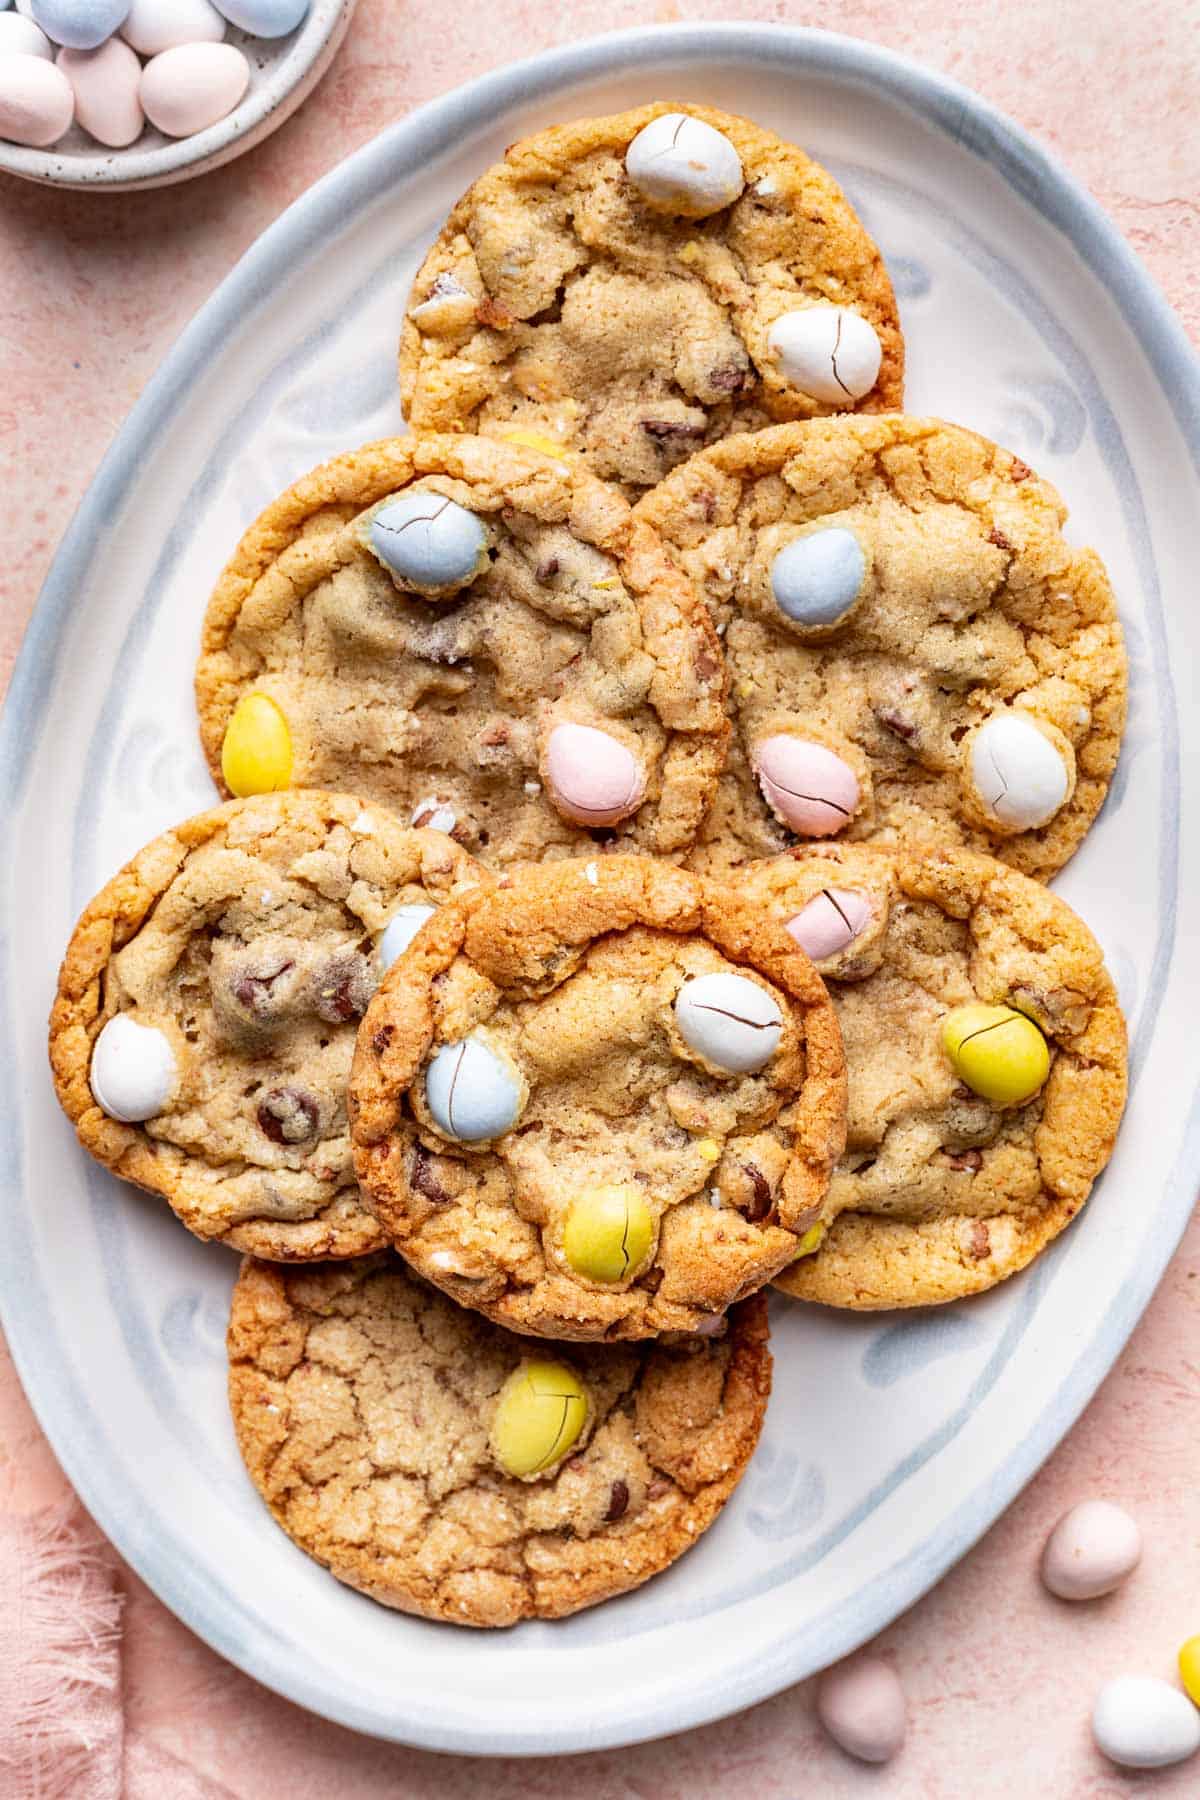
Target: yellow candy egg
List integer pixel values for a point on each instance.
(812, 1240)
(541, 1411)
(535, 440)
(1189, 1668)
(999, 1053)
(608, 1233)
(256, 756)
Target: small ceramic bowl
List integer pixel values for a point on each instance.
(283, 72)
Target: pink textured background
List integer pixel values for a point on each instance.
(92, 292)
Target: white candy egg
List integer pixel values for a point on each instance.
(157, 25)
(429, 541)
(1019, 776)
(1091, 1551)
(106, 83)
(193, 86)
(472, 1092)
(434, 815)
(829, 352)
(684, 166)
(861, 1705)
(400, 931)
(264, 18)
(133, 1070)
(728, 1020)
(37, 102)
(1143, 1723)
(79, 24)
(21, 37)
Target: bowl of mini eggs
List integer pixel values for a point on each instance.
(139, 93)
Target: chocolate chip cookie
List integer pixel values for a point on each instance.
(207, 1006)
(476, 635)
(603, 1103)
(986, 1058)
(637, 286)
(915, 651)
(448, 1468)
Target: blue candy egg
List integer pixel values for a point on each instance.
(427, 540)
(263, 18)
(79, 24)
(817, 578)
(473, 1093)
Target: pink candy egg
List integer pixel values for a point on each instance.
(106, 83)
(1092, 1550)
(861, 1705)
(592, 778)
(831, 920)
(807, 786)
(192, 86)
(37, 103)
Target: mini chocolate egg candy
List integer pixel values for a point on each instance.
(256, 755)
(684, 166)
(192, 86)
(264, 18)
(132, 1070)
(997, 1051)
(21, 37)
(1140, 1722)
(817, 579)
(829, 352)
(1018, 775)
(1092, 1550)
(37, 102)
(433, 814)
(608, 1232)
(861, 1705)
(153, 26)
(106, 83)
(807, 786)
(540, 1412)
(592, 778)
(1189, 1668)
(429, 541)
(400, 931)
(830, 922)
(79, 24)
(729, 1020)
(473, 1093)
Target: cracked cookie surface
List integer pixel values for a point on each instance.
(556, 299)
(972, 608)
(939, 1192)
(247, 938)
(566, 982)
(363, 1401)
(577, 619)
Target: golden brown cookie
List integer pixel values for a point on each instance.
(942, 1191)
(604, 1102)
(573, 292)
(521, 664)
(208, 1002)
(915, 651)
(365, 1406)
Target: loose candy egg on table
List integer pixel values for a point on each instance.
(106, 85)
(593, 779)
(684, 166)
(152, 26)
(37, 102)
(730, 1021)
(999, 1053)
(472, 1092)
(428, 540)
(1091, 1551)
(186, 89)
(21, 37)
(540, 1412)
(829, 352)
(79, 24)
(1143, 1723)
(830, 922)
(817, 579)
(132, 1071)
(861, 1705)
(264, 18)
(1189, 1668)
(608, 1232)
(807, 786)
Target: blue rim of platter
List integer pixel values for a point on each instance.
(407, 146)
